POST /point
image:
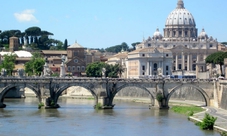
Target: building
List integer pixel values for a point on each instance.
(149, 61)
(189, 49)
(77, 59)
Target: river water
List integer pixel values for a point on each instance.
(76, 117)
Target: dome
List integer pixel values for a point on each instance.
(180, 16)
(203, 35)
(157, 34)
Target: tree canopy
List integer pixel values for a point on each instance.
(8, 63)
(118, 48)
(95, 70)
(35, 65)
(216, 58)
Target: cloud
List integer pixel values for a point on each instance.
(26, 16)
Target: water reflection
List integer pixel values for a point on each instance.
(78, 117)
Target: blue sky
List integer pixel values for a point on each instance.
(105, 23)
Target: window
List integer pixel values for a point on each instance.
(78, 68)
(193, 67)
(76, 60)
(186, 33)
(143, 55)
(69, 68)
(167, 55)
(174, 68)
(143, 67)
(73, 68)
(149, 44)
(186, 46)
(179, 66)
(185, 68)
(143, 73)
(82, 68)
(167, 68)
(185, 57)
(167, 73)
(179, 56)
(211, 45)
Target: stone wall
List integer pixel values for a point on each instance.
(187, 93)
(223, 103)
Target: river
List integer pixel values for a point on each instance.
(76, 117)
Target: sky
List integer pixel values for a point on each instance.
(105, 23)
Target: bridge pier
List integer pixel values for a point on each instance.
(2, 105)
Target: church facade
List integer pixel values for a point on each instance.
(189, 49)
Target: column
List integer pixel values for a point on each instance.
(182, 58)
(176, 62)
(197, 60)
(188, 63)
(147, 67)
(151, 68)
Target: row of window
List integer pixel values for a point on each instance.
(155, 67)
(73, 68)
(194, 45)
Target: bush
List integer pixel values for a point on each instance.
(159, 97)
(98, 106)
(207, 122)
(40, 105)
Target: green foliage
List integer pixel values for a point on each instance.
(159, 97)
(118, 48)
(223, 134)
(187, 110)
(217, 58)
(65, 44)
(8, 63)
(35, 65)
(40, 105)
(95, 70)
(98, 106)
(55, 75)
(207, 122)
(134, 45)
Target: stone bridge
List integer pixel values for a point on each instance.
(104, 90)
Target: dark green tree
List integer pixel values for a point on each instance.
(95, 69)
(134, 45)
(8, 63)
(65, 44)
(216, 58)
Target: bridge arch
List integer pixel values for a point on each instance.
(152, 98)
(6, 89)
(63, 88)
(200, 90)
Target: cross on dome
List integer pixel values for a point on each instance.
(180, 4)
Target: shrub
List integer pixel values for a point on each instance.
(159, 97)
(98, 106)
(40, 105)
(208, 122)
(191, 113)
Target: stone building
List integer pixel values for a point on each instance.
(189, 49)
(149, 61)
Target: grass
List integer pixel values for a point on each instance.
(187, 110)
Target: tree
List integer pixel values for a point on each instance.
(65, 44)
(217, 58)
(118, 48)
(8, 63)
(95, 69)
(134, 45)
(35, 65)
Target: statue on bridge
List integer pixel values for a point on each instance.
(20, 72)
(3, 72)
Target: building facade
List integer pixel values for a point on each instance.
(149, 61)
(189, 49)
